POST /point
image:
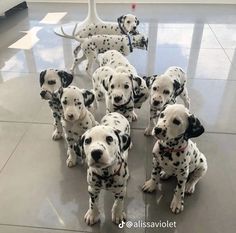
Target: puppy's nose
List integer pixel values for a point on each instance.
(43, 93)
(134, 28)
(96, 155)
(157, 130)
(70, 116)
(117, 99)
(156, 102)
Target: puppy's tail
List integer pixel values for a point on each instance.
(73, 36)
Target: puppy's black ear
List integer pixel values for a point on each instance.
(149, 80)
(41, 77)
(66, 78)
(178, 89)
(138, 80)
(104, 83)
(195, 127)
(126, 141)
(120, 19)
(79, 147)
(89, 97)
(60, 92)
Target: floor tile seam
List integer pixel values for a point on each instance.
(15, 148)
(43, 228)
(220, 44)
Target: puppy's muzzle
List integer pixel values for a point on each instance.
(157, 130)
(117, 99)
(70, 116)
(43, 94)
(96, 155)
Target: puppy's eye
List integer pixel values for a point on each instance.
(154, 88)
(88, 141)
(176, 121)
(65, 102)
(112, 86)
(109, 139)
(51, 82)
(166, 92)
(161, 115)
(126, 86)
(128, 21)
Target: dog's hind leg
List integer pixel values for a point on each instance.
(76, 62)
(196, 175)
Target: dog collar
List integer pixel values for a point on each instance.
(171, 150)
(107, 177)
(130, 44)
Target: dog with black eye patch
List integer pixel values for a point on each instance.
(50, 82)
(76, 118)
(174, 154)
(106, 150)
(164, 89)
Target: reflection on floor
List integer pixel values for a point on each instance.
(40, 194)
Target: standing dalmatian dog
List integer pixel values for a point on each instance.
(76, 118)
(97, 44)
(164, 89)
(126, 24)
(50, 82)
(117, 81)
(174, 154)
(106, 149)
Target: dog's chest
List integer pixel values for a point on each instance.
(173, 163)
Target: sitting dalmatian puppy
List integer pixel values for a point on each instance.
(117, 81)
(76, 118)
(164, 89)
(174, 154)
(50, 82)
(95, 45)
(106, 149)
(126, 24)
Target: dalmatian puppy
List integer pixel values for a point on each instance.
(116, 60)
(120, 89)
(174, 154)
(50, 82)
(106, 149)
(126, 24)
(76, 119)
(98, 44)
(164, 89)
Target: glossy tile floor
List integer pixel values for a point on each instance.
(39, 194)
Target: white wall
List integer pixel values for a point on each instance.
(144, 1)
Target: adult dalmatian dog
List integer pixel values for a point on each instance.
(76, 119)
(51, 80)
(126, 24)
(174, 154)
(164, 89)
(117, 81)
(95, 45)
(106, 149)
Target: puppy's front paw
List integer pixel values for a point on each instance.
(91, 217)
(149, 186)
(118, 217)
(148, 132)
(56, 135)
(71, 160)
(177, 205)
(189, 188)
(134, 117)
(163, 175)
